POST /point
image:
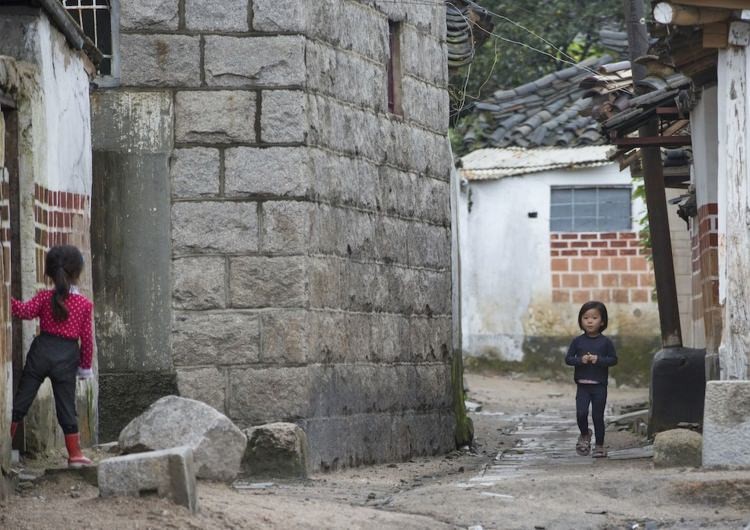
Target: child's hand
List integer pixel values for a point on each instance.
(593, 358)
(85, 373)
(586, 358)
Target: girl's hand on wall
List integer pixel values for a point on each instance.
(85, 373)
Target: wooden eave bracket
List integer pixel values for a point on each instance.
(739, 33)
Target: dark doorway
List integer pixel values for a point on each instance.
(11, 337)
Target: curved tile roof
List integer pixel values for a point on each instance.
(542, 113)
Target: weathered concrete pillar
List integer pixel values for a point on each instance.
(132, 257)
(734, 202)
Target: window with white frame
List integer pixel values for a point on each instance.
(96, 19)
(590, 209)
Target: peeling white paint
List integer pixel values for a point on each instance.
(734, 205)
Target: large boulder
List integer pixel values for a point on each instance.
(276, 450)
(218, 444)
(678, 448)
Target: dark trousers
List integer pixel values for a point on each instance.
(596, 396)
(56, 358)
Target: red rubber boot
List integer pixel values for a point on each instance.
(75, 456)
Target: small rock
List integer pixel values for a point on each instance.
(472, 406)
(678, 448)
(392, 465)
(371, 496)
(276, 450)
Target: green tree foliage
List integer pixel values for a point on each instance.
(569, 25)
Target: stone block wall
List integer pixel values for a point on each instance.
(310, 232)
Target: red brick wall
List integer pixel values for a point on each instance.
(706, 273)
(61, 218)
(605, 266)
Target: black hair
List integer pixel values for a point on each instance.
(593, 304)
(63, 265)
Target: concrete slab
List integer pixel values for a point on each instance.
(726, 425)
(168, 473)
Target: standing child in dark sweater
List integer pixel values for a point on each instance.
(592, 354)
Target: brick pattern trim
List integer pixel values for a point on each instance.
(705, 239)
(60, 218)
(606, 266)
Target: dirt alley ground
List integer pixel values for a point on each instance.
(523, 473)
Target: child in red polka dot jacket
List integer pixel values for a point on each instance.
(65, 318)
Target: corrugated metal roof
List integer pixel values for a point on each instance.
(490, 164)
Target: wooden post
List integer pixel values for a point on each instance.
(656, 200)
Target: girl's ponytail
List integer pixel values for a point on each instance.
(62, 290)
(63, 266)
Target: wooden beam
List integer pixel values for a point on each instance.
(675, 127)
(630, 158)
(654, 141)
(724, 4)
(656, 201)
(716, 35)
(666, 13)
(667, 110)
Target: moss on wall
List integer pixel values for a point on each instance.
(545, 357)
(464, 425)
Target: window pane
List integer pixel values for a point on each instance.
(561, 212)
(585, 210)
(561, 225)
(585, 224)
(591, 209)
(562, 196)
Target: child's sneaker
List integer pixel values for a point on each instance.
(583, 445)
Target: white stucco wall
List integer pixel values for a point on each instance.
(505, 254)
(62, 133)
(704, 131)
(50, 85)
